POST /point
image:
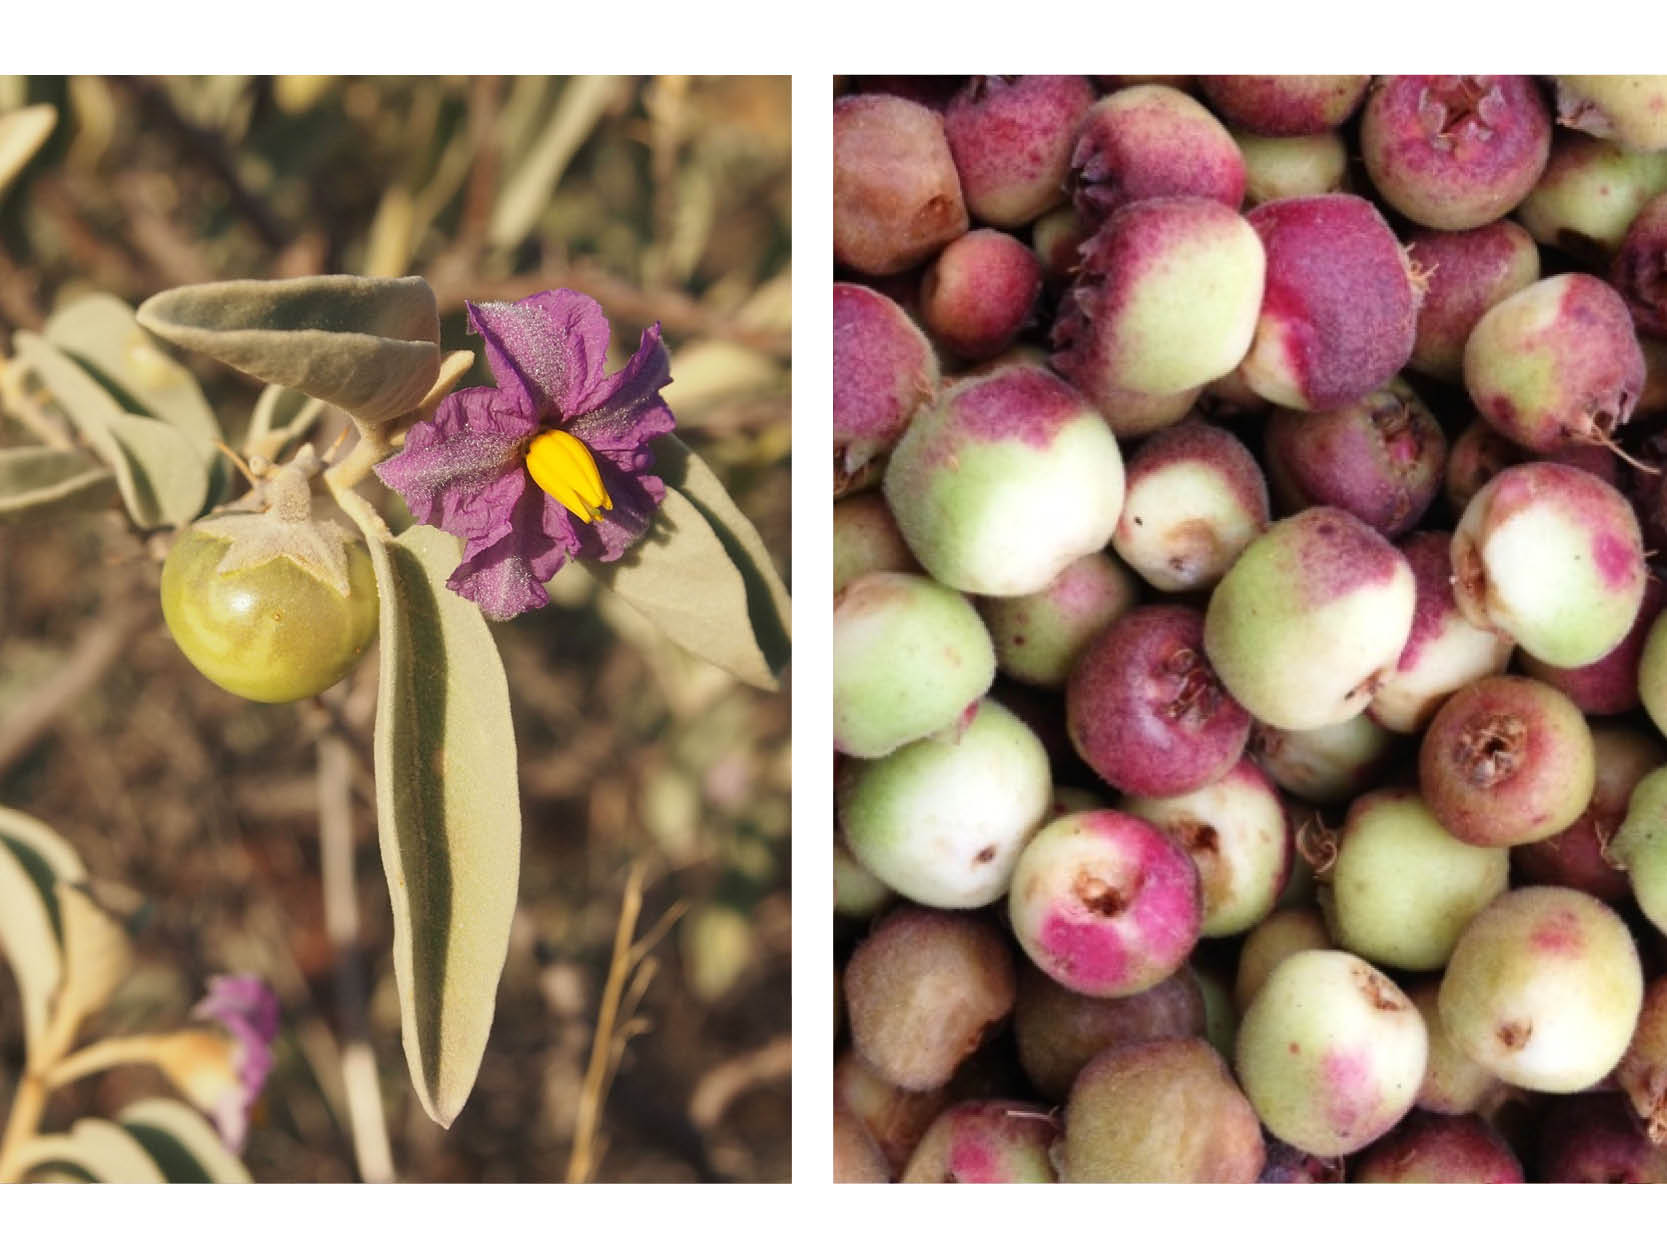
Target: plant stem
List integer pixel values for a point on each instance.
(21, 1124)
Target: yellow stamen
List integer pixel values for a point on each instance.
(567, 472)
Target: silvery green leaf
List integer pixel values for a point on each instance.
(33, 860)
(102, 333)
(370, 346)
(703, 575)
(281, 418)
(21, 134)
(448, 810)
(158, 470)
(97, 953)
(36, 480)
(183, 1144)
(104, 1151)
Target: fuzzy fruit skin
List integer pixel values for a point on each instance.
(1639, 271)
(1642, 1074)
(1589, 194)
(1166, 299)
(1455, 151)
(1507, 760)
(894, 1119)
(1553, 557)
(1556, 364)
(866, 540)
(1466, 272)
(1193, 499)
(1454, 1083)
(884, 370)
(1640, 846)
(1105, 904)
(1285, 104)
(1325, 765)
(1543, 989)
(1475, 458)
(1059, 1031)
(942, 820)
(909, 656)
(1403, 888)
(1380, 458)
(856, 1159)
(1630, 111)
(1279, 168)
(1144, 142)
(1339, 312)
(858, 893)
(897, 197)
(1284, 933)
(1592, 1139)
(986, 1142)
(1314, 613)
(1426, 1149)
(1608, 686)
(1160, 1112)
(274, 632)
(1578, 857)
(1006, 481)
(979, 293)
(922, 989)
(1056, 238)
(1011, 139)
(1444, 652)
(1129, 414)
(1236, 831)
(1145, 711)
(1330, 1052)
(1039, 637)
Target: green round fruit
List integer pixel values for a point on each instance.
(273, 632)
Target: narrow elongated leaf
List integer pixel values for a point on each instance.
(105, 1151)
(371, 346)
(184, 1145)
(21, 134)
(703, 575)
(36, 480)
(448, 810)
(33, 859)
(160, 473)
(97, 953)
(102, 333)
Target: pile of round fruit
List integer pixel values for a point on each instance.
(1249, 676)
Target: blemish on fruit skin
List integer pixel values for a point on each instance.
(1084, 953)
(1616, 560)
(1558, 934)
(974, 1162)
(1350, 1093)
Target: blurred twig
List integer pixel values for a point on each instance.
(616, 1024)
(721, 1086)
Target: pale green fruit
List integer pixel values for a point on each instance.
(1280, 168)
(942, 821)
(1038, 637)
(1640, 846)
(1403, 888)
(1454, 1083)
(1325, 765)
(1589, 193)
(1543, 989)
(1269, 944)
(909, 657)
(1631, 110)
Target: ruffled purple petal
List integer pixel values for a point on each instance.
(636, 497)
(505, 574)
(247, 1009)
(624, 410)
(548, 350)
(475, 438)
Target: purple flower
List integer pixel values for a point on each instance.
(553, 462)
(225, 1079)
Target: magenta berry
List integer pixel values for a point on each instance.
(1193, 499)
(1455, 151)
(1339, 313)
(1011, 139)
(884, 370)
(1426, 1149)
(1380, 458)
(897, 197)
(979, 293)
(1104, 903)
(922, 989)
(1475, 458)
(1639, 272)
(1593, 1139)
(1556, 364)
(1149, 141)
(1146, 712)
(1059, 1031)
(1285, 104)
(1160, 1112)
(986, 1142)
(1465, 273)
(1166, 299)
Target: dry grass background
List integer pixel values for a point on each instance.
(665, 199)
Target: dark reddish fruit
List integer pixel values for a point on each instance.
(897, 197)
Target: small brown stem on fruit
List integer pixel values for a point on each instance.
(1317, 845)
(1600, 434)
(1196, 693)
